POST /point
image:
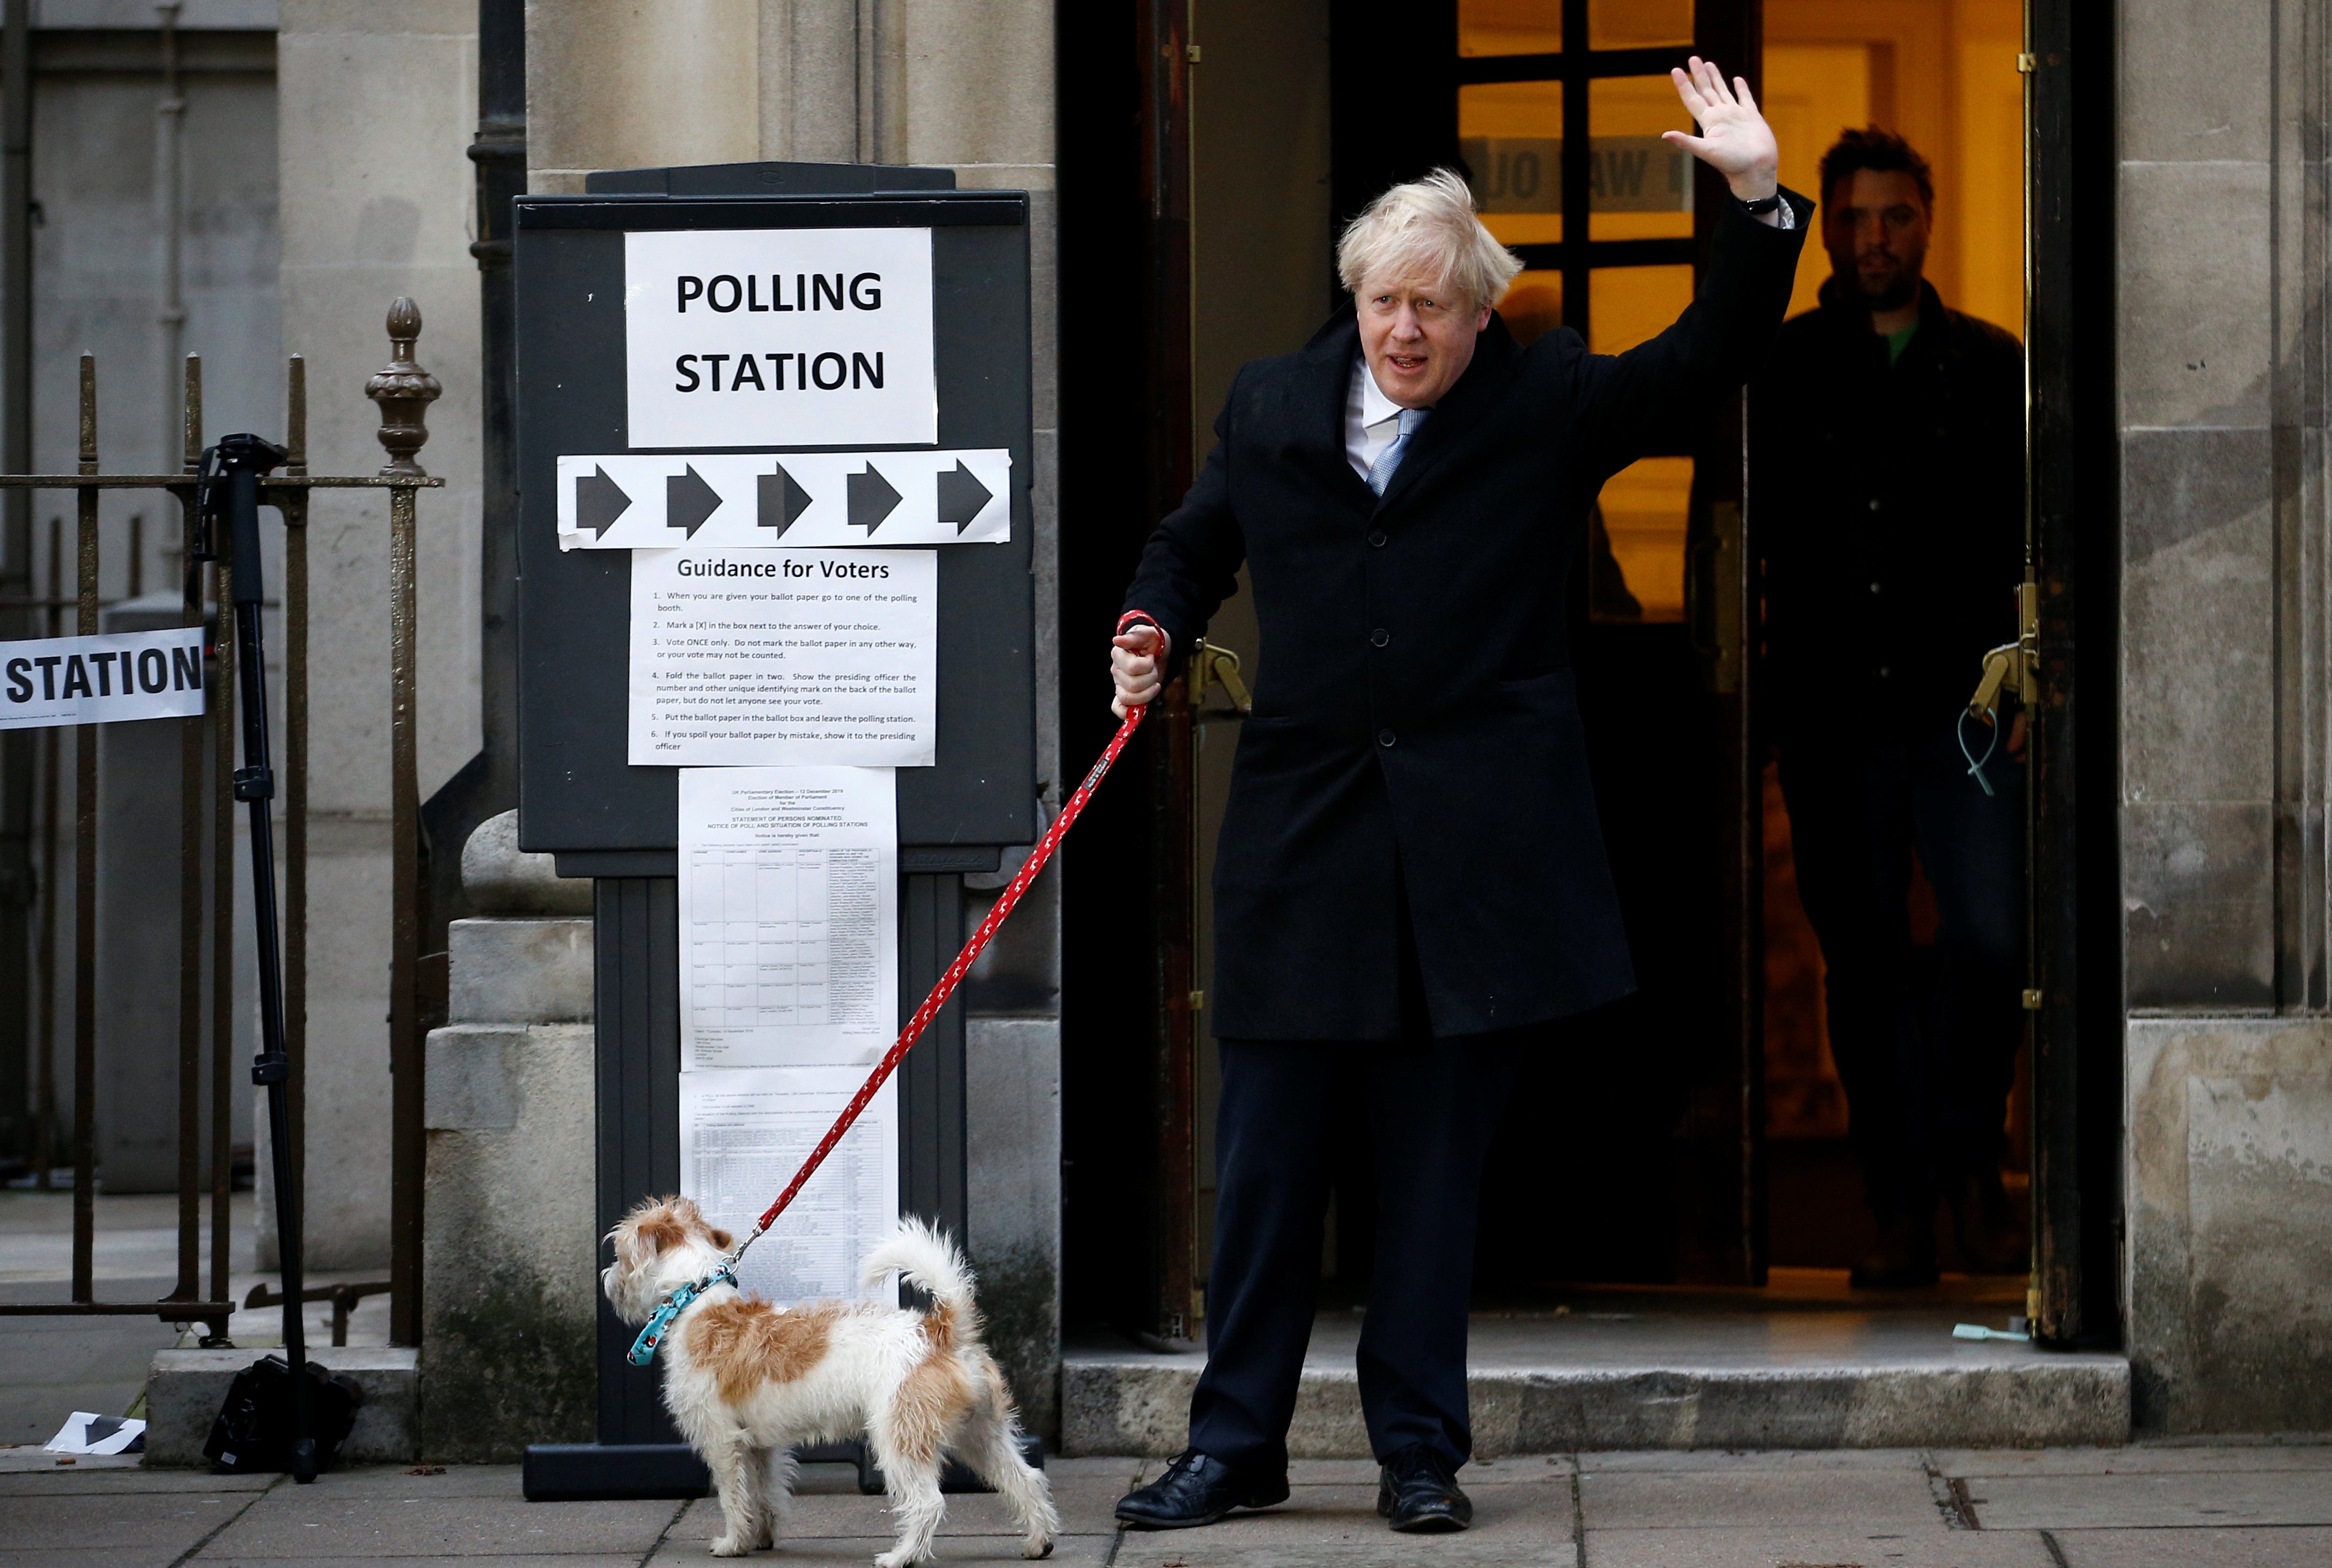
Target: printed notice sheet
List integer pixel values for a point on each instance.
(743, 1133)
(784, 657)
(789, 897)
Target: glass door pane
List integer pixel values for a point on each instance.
(1510, 134)
(1511, 26)
(1642, 185)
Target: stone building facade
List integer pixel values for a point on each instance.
(2219, 753)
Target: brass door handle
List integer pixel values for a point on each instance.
(1212, 665)
(2013, 666)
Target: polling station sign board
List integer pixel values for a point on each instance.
(886, 415)
(779, 337)
(47, 682)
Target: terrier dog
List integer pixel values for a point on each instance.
(746, 1381)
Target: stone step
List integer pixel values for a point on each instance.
(1813, 1385)
(186, 1388)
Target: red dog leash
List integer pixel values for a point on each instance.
(952, 979)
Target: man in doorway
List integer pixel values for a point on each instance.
(1888, 437)
(1410, 883)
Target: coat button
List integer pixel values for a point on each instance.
(1874, 504)
(1384, 737)
(1377, 537)
(1379, 637)
(1877, 588)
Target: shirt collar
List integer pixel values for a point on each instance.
(1375, 407)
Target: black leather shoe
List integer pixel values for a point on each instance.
(1197, 1489)
(1417, 1489)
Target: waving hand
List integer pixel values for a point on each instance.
(1734, 139)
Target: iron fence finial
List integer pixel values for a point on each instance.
(404, 391)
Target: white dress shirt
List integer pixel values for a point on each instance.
(1372, 419)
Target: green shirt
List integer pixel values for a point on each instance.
(1898, 341)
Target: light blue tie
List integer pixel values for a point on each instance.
(1381, 471)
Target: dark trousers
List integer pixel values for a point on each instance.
(1431, 1106)
(1926, 1053)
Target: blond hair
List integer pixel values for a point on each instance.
(1425, 231)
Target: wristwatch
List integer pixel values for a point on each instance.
(1763, 204)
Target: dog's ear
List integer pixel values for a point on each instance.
(723, 1239)
(661, 1226)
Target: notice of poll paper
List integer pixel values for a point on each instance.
(789, 993)
(784, 659)
(788, 934)
(743, 1133)
(779, 338)
(102, 679)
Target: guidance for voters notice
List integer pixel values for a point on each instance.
(784, 657)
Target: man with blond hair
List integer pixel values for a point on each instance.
(1410, 883)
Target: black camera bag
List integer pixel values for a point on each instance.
(253, 1429)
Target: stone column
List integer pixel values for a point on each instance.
(377, 104)
(510, 1319)
(2225, 558)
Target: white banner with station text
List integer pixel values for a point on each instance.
(626, 501)
(744, 658)
(779, 338)
(100, 680)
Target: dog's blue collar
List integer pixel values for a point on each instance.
(659, 1324)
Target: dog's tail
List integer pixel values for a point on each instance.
(924, 1255)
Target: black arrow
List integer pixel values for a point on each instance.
(961, 495)
(780, 500)
(599, 501)
(688, 500)
(872, 499)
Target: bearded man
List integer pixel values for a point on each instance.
(1410, 885)
(1889, 459)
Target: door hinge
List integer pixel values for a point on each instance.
(1192, 53)
(1198, 1001)
(2031, 1001)
(2026, 63)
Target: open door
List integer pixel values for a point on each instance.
(1653, 1106)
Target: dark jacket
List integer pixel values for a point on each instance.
(1889, 504)
(1415, 725)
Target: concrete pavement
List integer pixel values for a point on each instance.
(2150, 1506)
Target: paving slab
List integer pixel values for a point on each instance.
(1809, 1461)
(402, 1481)
(173, 1522)
(2195, 1498)
(509, 1560)
(1332, 1526)
(318, 1521)
(1888, 1500)
(1816, 1548)
(119, 1480)
(2138, 1459)
(2265, 1548)
(829, 1551)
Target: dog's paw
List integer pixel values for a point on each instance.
(901, 1558)
(1037, 1546)
(728, 1546)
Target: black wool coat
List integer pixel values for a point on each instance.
(1415, 729)
(1894, 536)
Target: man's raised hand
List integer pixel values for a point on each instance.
(1137, 660)
(1734, 139)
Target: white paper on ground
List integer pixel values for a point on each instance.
(789, 931)
(784, 659)
(743, 1133)
(86, 1433)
